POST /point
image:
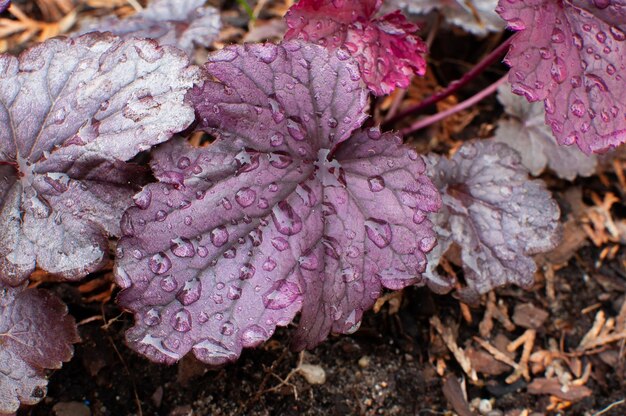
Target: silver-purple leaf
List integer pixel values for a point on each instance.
(36, 334)
(4, 4)
(571, 54)
(476, 16)
(289, 210)
(71, 112)
(181, 23)
(497, 216)
(525, 131)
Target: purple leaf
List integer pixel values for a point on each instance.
(181, 23)
(71, 111)
(288, 210)
(478, 16)
(4, 4)
(36, 333)
(385, 48)
(571, 54)
(527, 133)
(497, 216)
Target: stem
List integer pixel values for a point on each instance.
(454, 86)
(425, 122)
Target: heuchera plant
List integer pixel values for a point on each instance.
(4, 4)
(295, 206)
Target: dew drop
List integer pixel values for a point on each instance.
(269, 264)
(219, 236)
(281, 295)
(227, 328)
(160, 263)
(182, 247)
(578, 108)
(160, 215)
(277, 139)
(234, 293)
(183, 163)
(245, 197)
(152, 318)
(309, 262)
(247, 271)
(295, 129)
(558, 70)
(287, 222)
(280, 243)
(190, 293)
(378, 231)
(181, 321)
(253, 336)
(143, 198)
(168, 284)
(230, 253)
(376, 183)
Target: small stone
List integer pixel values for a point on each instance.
(313, 374)
(71, 409)
(364, 361)
(484, 406)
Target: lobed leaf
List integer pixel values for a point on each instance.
(526, 132)
(571, 55)
(180, 23)
(289, 210)
(71, 111)
(497, 216)
(36, 333)
(386, 49)
(476, 16)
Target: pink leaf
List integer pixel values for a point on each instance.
(571, 54)
(386, 48)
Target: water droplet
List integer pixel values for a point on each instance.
(617, 33)
(226, 203)
(558, 70)
(268, 53)
(277, 139)
(230, 253)
(419, 216)
(168, 283)
(295, 129)
(610, 69)
(152, 318)
(578, 108)
(160, 263)
(245, 197)
(182, 247)
(269, 264)
(143, 198)
(332, 122)
(278, 114)
(287, 222)
(331, 247)
(253, 336)
(557, 35)
(181, 321)
(376, 183)
(183, 162)
(281, 295)
(160, 215)
(246, 272)
(280, 160)
(309, 262)
(263, 204)
(256, 237)
(349, 275)
(213, 352)
(234, 293)
(227, 328)
(427, 243)
(219, 236)
(202, 251)
(378, 231)
(280, 243)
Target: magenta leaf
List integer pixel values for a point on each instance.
(525, 131)
(180, 23)
(71, 111)
(36, 333)
(571, 54)
(386, 49)
(289, 210)
(476, 16)
(497, 216)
